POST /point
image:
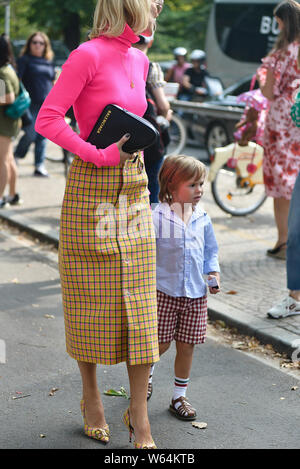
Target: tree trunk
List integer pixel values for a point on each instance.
(71, 29)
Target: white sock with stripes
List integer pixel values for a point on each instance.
(180, 387)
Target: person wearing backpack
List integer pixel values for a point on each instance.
(159, 114)
(9, 128)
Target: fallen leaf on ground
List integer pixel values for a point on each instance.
(113, 392)
(42, 435)
(290, 364)
(240, 345)
(231, 292)
(53, 390)
(294, 388)
(49, 316)
(200, 425)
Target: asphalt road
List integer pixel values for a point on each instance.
(246, 403)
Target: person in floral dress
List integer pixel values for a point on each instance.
(279, 77)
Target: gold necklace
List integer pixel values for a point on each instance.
(132, 85)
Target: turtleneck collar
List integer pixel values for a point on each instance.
(127, 38)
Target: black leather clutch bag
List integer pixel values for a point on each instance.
(114, 122)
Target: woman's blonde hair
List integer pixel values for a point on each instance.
(175, 170)
(48, 52)
(111, 16)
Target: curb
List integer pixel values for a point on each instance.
(265, 330)
(42, 232)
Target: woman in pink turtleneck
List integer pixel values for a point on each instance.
(107, 276)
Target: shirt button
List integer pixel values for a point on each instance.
(126, 260)
(127, 293)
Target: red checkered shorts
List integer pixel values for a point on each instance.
(182, 319)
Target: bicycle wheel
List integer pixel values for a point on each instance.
(177, 134)
(233, 197)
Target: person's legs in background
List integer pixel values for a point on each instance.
(40, 155)
(5, 148)
(30, 136)
(13, 198)
(8, 173)
(290, 305)
(281, 211)
(26, 140)
(293, 244)
(152, 170)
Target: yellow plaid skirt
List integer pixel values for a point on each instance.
(107, 265)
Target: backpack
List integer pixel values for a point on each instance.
(295, 111)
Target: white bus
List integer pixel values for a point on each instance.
(239, 34)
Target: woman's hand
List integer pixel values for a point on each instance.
(123, 156)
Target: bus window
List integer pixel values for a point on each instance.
(245, 32)
(239, 34)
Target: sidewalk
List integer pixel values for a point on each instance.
(251, 281)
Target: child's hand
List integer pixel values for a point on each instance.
(213, 281)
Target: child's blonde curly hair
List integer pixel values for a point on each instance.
(175, 170)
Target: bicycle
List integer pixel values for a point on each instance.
(178, 135)
(235, 189)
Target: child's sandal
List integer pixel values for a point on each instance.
(185, 411)
(149, 391)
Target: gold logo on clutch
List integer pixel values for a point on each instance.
(103, 122)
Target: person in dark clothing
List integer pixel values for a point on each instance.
(36, 70)
(9, 128)
(159, 114)
(193, 84)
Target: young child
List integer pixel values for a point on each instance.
(186, 249)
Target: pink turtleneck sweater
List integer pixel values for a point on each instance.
(97, 73)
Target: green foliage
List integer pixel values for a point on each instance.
(60, 13)
(20, 27)
(182, 22)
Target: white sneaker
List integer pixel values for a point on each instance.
(41, 171)
(288, 307)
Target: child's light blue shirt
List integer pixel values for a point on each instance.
(184, 252)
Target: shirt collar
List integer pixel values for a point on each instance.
(126, 39)
(165, 209)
